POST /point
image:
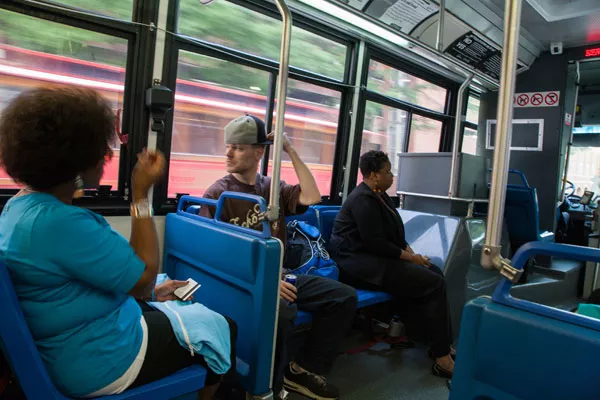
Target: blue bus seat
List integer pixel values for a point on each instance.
(310, 217)
(430, 234)
(241, 284)
(522, 213)
(512, 349)
(427, 233)
(21, 352)
(326, 216)
(193, 209)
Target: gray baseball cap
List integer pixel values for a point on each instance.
(246, 130)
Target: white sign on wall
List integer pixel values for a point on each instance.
(404, 15)
(358, 4)
(536, 99)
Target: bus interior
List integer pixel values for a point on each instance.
(418, 79)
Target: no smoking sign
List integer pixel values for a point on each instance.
(537, 99)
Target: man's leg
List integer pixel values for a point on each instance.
(332, 305)
(287, 315)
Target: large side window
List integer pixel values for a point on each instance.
(122, 9)
(401, 85)
(36, 52)
(584, 169)
(403, 113)
(226, 68)
(260, 35)
(311, 124)
(210, 93)
(384, 130)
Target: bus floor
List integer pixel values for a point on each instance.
(383, 373)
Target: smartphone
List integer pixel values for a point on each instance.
(184, 293)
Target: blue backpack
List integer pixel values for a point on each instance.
(305, 252)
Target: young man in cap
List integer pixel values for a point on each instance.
(331, 303)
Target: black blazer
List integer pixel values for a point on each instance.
(368, 235)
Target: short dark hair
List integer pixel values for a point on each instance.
(49, 135)
(372, 161)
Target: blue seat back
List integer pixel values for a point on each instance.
(310, 217)
(515, 349)
(18, 345)
(522, 214)
(326, 216)
(239, 271)
(427, 233)
(430, 234)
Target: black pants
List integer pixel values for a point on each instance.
(332, 305)
(420, 300)
(164, 354)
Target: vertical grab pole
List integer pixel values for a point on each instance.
(570, 144)
(490, 256)
(439, 43)
(457, 126)
(282, 81)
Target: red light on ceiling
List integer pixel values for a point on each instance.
(593, 52)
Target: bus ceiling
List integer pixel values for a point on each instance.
(456, 48)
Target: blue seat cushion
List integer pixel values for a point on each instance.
(368, 298)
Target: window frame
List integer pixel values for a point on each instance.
(134, 120)
(447, 117)
(466, 124)
(178, 42)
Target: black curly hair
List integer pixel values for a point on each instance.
(372, 161)
(49, 135)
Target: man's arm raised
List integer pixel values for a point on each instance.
(309, 192)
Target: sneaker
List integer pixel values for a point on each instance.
(283, 395)
(308, 384)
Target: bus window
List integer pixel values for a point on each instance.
(384, 130)
(311, 123)
(260, 35)
(469, 144)
(473, 110)
(35, 52)
(122, 9)
(406, 87)
(425, 135)
(584, 169)
(205, 101)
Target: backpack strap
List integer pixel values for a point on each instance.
(310, 231)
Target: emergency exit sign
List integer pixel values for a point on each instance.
(593, 52)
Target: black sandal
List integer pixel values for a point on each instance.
(438, 370)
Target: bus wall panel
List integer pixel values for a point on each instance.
(541, 167)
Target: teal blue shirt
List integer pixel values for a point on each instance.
(72, 272)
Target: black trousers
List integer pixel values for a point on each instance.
(164, 354)
(419, 298)
(332, 305)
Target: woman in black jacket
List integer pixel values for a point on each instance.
(369, 245)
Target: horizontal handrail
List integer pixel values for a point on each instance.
(185, 201)
(436, 196)
(502, 293)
